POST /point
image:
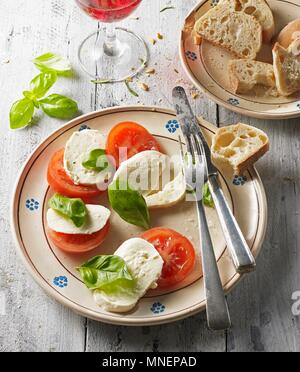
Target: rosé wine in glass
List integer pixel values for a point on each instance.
(109, 10)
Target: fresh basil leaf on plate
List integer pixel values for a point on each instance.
(58, 106)
(73, 209)
(207, 198)
(53, 62)
(41, 84)
(129, 204)
(108, 273)
(97, 161)
(21, 113)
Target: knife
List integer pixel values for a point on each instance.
(242, 257)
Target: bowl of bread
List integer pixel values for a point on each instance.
(245, 55)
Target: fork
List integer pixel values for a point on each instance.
(242, 257)
(193, 162)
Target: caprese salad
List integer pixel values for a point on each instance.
(127, 164)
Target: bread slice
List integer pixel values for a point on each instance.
(237, 147)
(245, 75)
(238, 32)
(289, 33)
(259, 9)
(287, 68)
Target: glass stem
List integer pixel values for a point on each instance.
(111, 45)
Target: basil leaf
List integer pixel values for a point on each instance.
(107, 273)
(42, 83)
(207, 198)
(21, 113)
(97, 161)
(73, 209)
(58, 106)
(54, 63)
(129, 204)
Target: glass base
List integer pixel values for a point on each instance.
(97, 61)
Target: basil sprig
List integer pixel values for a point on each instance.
(53, 62)
(97, 161)
(55, 105)
(73, 209)
(207, 198)
(106, 273)
(129, 204)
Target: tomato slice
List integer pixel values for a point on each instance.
(132, 136)
(78, 243)
(177, 252)
(60, 182)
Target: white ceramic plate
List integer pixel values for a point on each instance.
(206, 67)
(55, 270)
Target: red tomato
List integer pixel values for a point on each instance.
(177, 252)
(78, 243)
(61, 183)
(132, 136)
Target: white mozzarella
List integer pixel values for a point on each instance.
(143, 171)
(145, 265)
(77, 150)
(98, 217)
(161, 183)
(172, 193)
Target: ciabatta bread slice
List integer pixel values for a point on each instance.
(259, 9)
(289, 33)
(245, 75)
(287, 68)
(237, 147)
(238, 32)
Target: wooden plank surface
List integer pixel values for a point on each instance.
(260, 305)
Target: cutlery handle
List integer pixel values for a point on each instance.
(237, 245)
(218, 317)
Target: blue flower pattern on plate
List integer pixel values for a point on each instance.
(32, 204)
(233, 101)
(191, 55)
(158, 308)
(172, 126)
(214, 2)
(239, 180)
(83, 127)
(298, 106)
(60, 281)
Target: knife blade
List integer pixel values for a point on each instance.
(187, 119)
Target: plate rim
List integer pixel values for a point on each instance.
(106, 318)
(214, 98)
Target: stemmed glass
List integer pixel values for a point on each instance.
(112, 53)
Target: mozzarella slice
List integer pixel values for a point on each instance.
(98, 217)
(160, 182)
(172, 193)
(77, 151)
(145, 265)
(143, 171)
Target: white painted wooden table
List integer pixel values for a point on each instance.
(260, 305)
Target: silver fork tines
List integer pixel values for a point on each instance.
(193, 162)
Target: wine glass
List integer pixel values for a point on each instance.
(112, 54)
